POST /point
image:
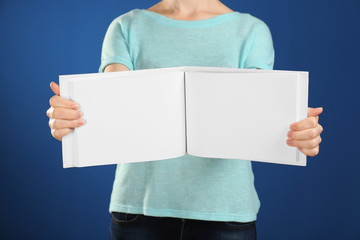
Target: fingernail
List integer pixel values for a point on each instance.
(289, 134)
(81, 122)
(79, 114)
(290, 141)
(292, 127)
(74, 106)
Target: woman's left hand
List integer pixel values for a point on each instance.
(305, 134)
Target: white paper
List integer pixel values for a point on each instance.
(243, 116)
(127, 119)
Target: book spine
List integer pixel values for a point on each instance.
(302, 106)
(67, 140)
(186, 148)
(73, 134)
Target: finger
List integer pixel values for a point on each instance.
(49, 112)
(60, 123)
(60, 133)
(305, 134)
(310, 122)
(57, 101)
(310, 152)
(321, 128)
(304, 143)
(55, 88)
(313, 112)
(64, 113)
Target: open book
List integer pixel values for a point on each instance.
(162, 113)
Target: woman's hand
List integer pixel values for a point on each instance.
(63, 114)
(305, 134)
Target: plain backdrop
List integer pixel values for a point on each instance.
(41, 40)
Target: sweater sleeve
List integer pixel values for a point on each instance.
(115, 49)
(260, 50)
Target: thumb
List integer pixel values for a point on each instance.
(55, 88)
(313, 112)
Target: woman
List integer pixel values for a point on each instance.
(187, 197)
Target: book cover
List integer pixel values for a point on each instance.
(157, 114)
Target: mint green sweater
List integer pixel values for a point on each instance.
(187, 187)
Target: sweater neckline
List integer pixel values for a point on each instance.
(188, 23)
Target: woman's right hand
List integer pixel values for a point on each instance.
(63, 114)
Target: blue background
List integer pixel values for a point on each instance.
(43, 39)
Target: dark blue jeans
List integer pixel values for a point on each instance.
(126, 226)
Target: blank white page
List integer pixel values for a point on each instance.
(129, 117)
(244, 115)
